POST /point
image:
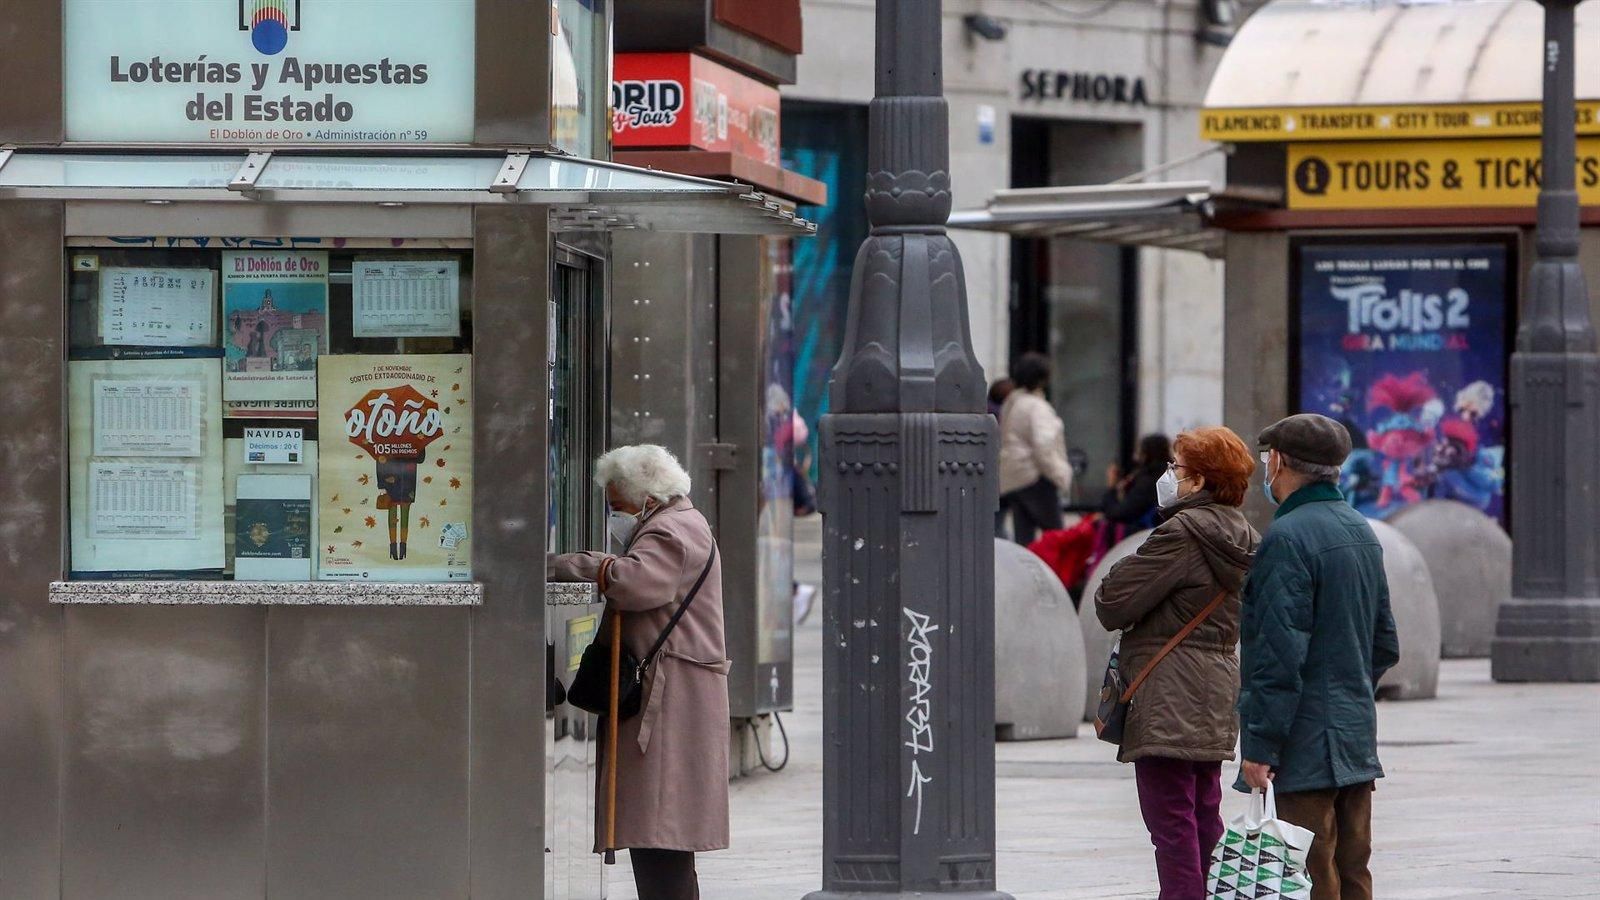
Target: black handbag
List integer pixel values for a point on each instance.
(591, 686)
(1111, 717)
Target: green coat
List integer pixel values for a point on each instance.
(1317, 634)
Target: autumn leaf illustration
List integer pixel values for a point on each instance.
(458, 370)
(447, 448)
(444, 502)
(455, 484)
(455, 387)
(330, 548)
(356, 544)
(335, 499)
(346, 510)
(447, 410)
(371, 522)
(439, 462)
(337, 529)
(423, 522)
(365, 500)
(456, 430)
(365, 479)
(427, 479)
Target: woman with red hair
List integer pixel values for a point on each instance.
(1185, 580)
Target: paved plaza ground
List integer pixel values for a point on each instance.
(1492, 791)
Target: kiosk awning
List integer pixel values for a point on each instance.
(582, 193)
(1172, 215)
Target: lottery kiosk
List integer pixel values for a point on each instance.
(303, 346)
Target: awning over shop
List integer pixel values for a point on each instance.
(1301, 70)
(1322, 53)
(582, 194)
(1172, 215)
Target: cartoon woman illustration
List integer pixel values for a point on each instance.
(394, 426)
(397, 490)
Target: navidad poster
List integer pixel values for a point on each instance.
(1406, 345)
(395, 474)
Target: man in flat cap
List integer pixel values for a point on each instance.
(1317, 633)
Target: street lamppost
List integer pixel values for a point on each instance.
(1550, 628)
(909, 490)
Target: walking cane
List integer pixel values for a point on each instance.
(611, 739)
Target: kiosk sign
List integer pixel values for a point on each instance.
(269, 71)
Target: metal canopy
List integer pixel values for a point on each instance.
(1171, 215)
(1351, 52)
(581, 193)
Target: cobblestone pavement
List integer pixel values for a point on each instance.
(1493, 792)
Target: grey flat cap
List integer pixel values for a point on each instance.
(1310, 438)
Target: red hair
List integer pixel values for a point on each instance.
(1220, 456)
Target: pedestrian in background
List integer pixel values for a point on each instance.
(672, 758)
(1181, 725)
(998, 392)
(1317, 635)
(1034, 472)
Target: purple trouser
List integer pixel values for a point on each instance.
(1180, 801)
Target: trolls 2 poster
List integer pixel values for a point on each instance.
(394, 478)
(1406, 344)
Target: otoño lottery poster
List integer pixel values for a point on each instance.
(395, 467)
(1406, 345)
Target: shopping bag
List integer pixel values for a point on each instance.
(1260, 856)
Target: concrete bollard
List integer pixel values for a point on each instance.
(1096, 640)
(1416, 618)
(1469, 557)
(1038, 649)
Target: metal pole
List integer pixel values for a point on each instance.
(909, 491)
(1550, 629)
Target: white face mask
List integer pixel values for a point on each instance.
(620, 526)
(1167, 490)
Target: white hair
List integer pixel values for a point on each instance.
(642, 471)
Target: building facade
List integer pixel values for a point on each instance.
(1041, 94)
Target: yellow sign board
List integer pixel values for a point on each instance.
(1431, 174)
(580, 634)
(1347, 123)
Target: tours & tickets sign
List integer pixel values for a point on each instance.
(269, 71)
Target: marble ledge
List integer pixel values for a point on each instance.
(265, 593)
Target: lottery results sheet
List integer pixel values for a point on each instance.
(411, 298)
(157, 307)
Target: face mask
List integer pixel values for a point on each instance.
(1266, 486)
(620, 526)
(1167, 490)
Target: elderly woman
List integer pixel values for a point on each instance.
(1181, 724)
(672, 758)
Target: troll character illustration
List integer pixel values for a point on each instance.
(1404, 412)
(1462, 469)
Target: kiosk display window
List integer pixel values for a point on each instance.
(270, 413)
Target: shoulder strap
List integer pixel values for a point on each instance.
(682, 608)
(1174, 641)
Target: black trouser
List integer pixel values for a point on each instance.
(665, 874)
(1034, 508)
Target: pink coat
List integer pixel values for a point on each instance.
(672, 781)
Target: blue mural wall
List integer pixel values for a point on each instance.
(828, 142)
